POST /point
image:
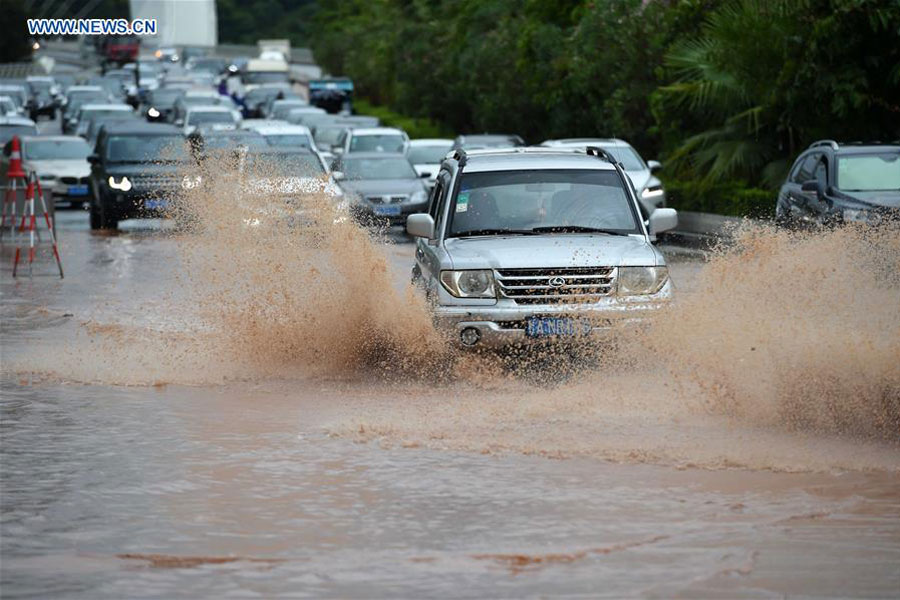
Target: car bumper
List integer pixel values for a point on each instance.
(505, 323)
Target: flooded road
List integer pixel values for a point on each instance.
(138, 461)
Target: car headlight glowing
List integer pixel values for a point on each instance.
(188, 182)
(123, 185)
(469, 284)
(637, 281)
(153, 112)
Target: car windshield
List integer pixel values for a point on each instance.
(40, 86)
(202, 118)
(546, 200)
(296, 140)
(145, 148)
(284, 165)
(7, 105)
(382, 142)
(428, 154)
(93, 113)
(202, 100)
(327, 136)
(56, 149)
(282, 110)
(265, 77)
(378, 168)
(869, 172)
(165, 97)
(8, 131)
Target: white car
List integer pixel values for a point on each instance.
(426, 156)
(220, 116)
(285, 135)
(60, 162)
(651, 194)
(305, 115)
(372, 139)
(8, 108)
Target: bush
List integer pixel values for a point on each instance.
(414, 127)
(732, 198)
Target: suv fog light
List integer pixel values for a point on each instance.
(469, 336)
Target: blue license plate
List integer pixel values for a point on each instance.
(155, 204)
(78, 190)
(556, 327)
(387, 211)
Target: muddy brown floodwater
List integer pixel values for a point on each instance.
(227, 413)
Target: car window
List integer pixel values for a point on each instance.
(544, 198)
(145, 148)
(295, 140)
(804, 170)
(387, 142)
(820, 172)
(869, 172)
(198, 118)
(56, 149)
(443, 181)
(428, 154)
(377, 168)
(8, 131)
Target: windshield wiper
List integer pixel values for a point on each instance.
(496, 232)
(577, 229)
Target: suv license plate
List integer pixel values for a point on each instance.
(556, 326)
(155, 204)
(387, 211)
(78, 190)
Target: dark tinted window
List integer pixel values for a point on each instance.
(804, 169)
(145, 148)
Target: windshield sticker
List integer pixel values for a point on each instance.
(462, 202)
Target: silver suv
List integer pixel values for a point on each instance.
(531, 244)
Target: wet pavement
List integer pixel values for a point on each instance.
(122, 477)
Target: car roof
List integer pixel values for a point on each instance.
(513, 159)
(109, 106)
(581, 142)
(277, 128)
(370, 155)
(85, 88)
(376, 131)
(431, 142)
(208, 108)
(484, 137)
(201, 93)
(51, 138)
(138, 126)
(15, 120)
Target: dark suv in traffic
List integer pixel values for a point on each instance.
(134, 171)
(832, 183)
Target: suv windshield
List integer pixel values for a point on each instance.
(145, 148)
(56, 149)
(388, 142)
(284, 165)
(869, 172)
(428, 154)
(544, 200)
(202, 118)
(377, 168)
(295, 140)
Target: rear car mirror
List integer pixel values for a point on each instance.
(813, 186)
(420, 225)
(663, 219)
(654, 165)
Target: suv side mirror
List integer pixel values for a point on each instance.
(338, 175)
(654, 165)
(94, 159)
(420, 225)
(663, 219)
(814, 185)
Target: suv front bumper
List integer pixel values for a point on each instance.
(504, 324)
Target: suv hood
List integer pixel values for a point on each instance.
(888, 199)
(551, 251)
(142, 169)
(375, 187)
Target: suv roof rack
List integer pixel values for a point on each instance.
(459, 155)
(833, 144)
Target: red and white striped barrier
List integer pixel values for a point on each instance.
(28, 217)
(13, 176)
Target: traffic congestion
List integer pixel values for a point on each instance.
(300, 352)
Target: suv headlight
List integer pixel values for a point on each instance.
(853, 215)
(189, 183)
(637, 281)
(123, 185)
(469, 284)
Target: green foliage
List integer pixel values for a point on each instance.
(246, 21)
(413, 126)
(720, 90)
(731, 198)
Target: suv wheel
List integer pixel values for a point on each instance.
(101, 217)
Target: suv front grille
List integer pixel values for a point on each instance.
(554, 286)
(387, 199)
(154, 183)
(73, 180)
